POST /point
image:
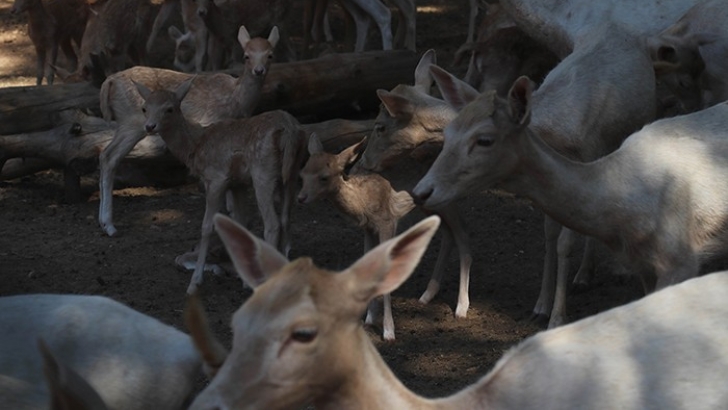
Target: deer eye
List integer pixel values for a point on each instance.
(485, 141)
(304, 334)
(247, 57)
(170, 110)
(270, 56)
(324, 179)
(379, 128)
(144, 110)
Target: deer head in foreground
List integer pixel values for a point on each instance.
(300, 317)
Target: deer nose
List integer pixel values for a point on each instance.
(201, 12)
(150, 127)
(420, 198)
(259, 71)
(302, 199)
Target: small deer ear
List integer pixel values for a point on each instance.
(255, 260)
(386, 267)
(181, 91)
(314, 145)
(519, 100)
(456, 92)
(396, 105)
(273, 37)
(174, 33)
(423, 78)
(350, 154)
(243, 36)
(142, 89)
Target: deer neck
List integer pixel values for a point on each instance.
(372, 385)
(247, 93)
(183, 140)
(578, 195)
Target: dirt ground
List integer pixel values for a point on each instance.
(53, 247)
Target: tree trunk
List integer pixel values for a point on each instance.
(336, 85)
(75, 145)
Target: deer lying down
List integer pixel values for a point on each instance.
(213, 97)
(131, 360)
(406, 138)
(366, 199)
(656, 353)
(265, 151)
(656, 201)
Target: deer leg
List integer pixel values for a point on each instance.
(565, 248)
(265, 190)
(406, 28)
(387, 319)
(585, 274)
(545, 301)
(453, 223)
(382, 16)
(127, 135)
(433, 286)
(215, 195)
(162, 16)
(369, 242)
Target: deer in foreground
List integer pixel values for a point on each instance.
(300, 317)
(656, 201)
(131, 360)
(265, 151)
(53, 24)
(366, 199)
(212, 98)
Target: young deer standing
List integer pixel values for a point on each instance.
(212, 98)
(406, 138)
(298, 341)
(367, 199)
(265, 151)
(656, 201)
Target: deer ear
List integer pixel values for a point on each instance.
(350, 155)
(396, 105)
(519, 100)
(142, 89)
(181, 91)
(423, 79)
(314, 145)
(456, 92)
(212, 352)
(243, 36)
(255, 260)
(274, 36)
(386, 267)
(174, 33)
(68, 390)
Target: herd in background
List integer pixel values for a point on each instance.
(563, 103)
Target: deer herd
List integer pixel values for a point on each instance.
(609, 116)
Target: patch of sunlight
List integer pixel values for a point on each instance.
(166, 216)
(433, 9)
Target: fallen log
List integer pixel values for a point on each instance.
(75, 145)
(336, 85)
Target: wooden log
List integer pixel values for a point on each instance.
(328, 87)
(75, 145)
